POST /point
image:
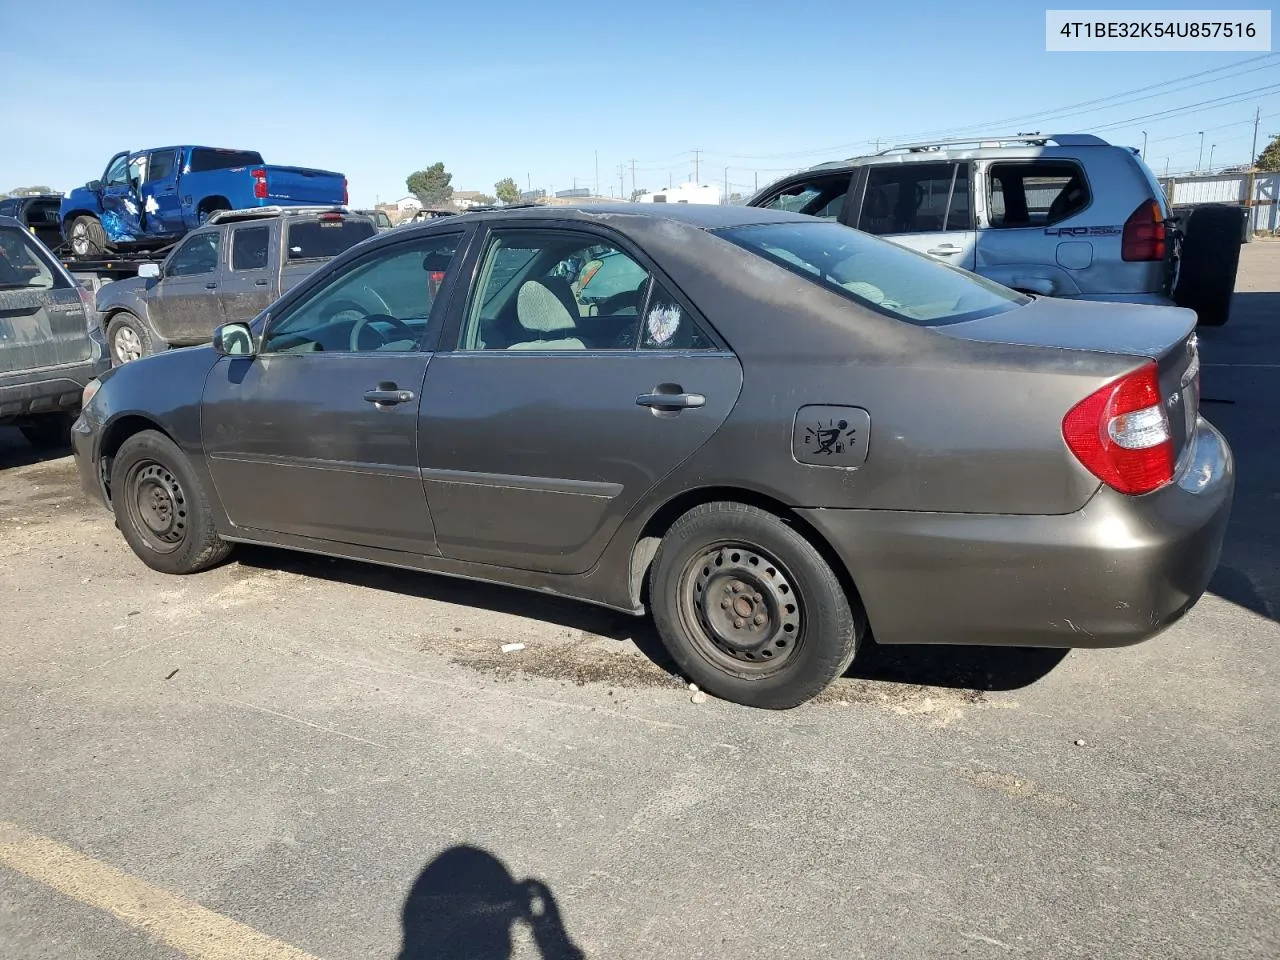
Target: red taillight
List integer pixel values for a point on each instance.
(1121, 433)
(259, 183)
(345, 195)
(1144, 234)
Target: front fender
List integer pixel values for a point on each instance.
(121, 295)
(164, 388)
(79, 202)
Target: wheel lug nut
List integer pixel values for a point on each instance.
(757, 598)
(759, 620)
(724, 604)
(737, 623)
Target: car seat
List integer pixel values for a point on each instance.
(540, 312)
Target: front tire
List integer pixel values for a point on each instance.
(749, 609)
(161, 508)
(128, 339)
(88, 239)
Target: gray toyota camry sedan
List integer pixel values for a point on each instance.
(778, 435)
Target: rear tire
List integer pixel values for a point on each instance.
(88, 239)
(749, 609)
(160, 507)
(128, 338)
(1210, 257)
(52, 431)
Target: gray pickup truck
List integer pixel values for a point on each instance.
(229, 270)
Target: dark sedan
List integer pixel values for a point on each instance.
(778, 435)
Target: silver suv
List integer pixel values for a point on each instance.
(1067, 215)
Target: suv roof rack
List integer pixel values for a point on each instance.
(1029, 139)
(260, 213)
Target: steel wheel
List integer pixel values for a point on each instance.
(157, 506)
(741, 608)
(126, 344)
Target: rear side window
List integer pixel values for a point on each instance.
(1035, 193)
(249, 247)
(161, 165)
(204, 158)
(917, 198)
(23, 266)
(324, 239)
(883, 276)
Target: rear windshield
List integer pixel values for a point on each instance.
(876, 273)
(322, 239)
(205, 158)
(23, 266)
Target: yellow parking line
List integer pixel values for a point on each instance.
(187, 927)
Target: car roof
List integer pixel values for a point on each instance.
(695, 215)
(984, 148)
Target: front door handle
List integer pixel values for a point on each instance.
(670, 401)
(211, 286)
(260, 283)
(946, 250)
(388, 394)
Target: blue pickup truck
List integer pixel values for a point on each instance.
(147, 199)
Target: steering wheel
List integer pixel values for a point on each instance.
(359, 326)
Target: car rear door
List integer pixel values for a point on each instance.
(185, 305)
(42, 318)
(161, 203)
(925, 206)
(546, 419)
(252, 260)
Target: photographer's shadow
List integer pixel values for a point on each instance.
(466, 903)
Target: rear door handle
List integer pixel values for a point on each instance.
(670, 401)
(944, 251)
(211, 286)
(388, 397)
(260, 283)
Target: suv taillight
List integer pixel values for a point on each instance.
(259, 183)
(1121, 433)
(1144, 234)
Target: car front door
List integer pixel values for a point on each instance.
(184, 306)
(923, 206)
(316, 436)
(547, 416)
(246, 288)
(161, 205)
(121, 213)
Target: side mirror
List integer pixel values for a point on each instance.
(149, 270)
(233, 340)
(94, 185)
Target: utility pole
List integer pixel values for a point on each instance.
(1200, 162)
(726, 184)
(597, 173)
(757, 190)
(695, 166)
(1212, 147)
(1144, 145)
(1166, 166)
(622, 181)
(633, 177)
(1253, 154)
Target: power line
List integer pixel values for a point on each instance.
(1191, 107)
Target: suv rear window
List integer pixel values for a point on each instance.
(875, 273)
(322, 239)
(206, 159)
(1035, 193)
(23, 266)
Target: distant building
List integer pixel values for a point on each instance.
(409, 204)
(465, 199)
(684, 193)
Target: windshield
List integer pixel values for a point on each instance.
(22, 266)
(876, 273)
(322, 239)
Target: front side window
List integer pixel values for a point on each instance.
(116, 172)
(878, 274)
(822, 197)
(917, 198)
(1035, 193)
(383, 302)
(249, 247)
(197, 255)
(22, 266)
(138, 169)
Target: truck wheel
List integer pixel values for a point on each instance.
(1209, 259)
(88, 239)
(128, 339)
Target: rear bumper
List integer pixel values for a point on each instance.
(1116, 572)
(49, 389)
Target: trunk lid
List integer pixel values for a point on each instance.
(305, 185)
(1166, 335)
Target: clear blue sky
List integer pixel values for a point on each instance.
(535, 90)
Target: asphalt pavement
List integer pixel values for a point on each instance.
(291, 757)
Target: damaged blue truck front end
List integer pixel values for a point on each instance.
(148, 199)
